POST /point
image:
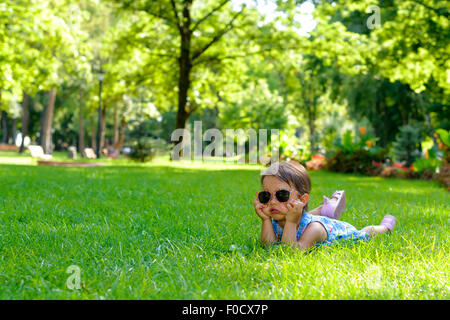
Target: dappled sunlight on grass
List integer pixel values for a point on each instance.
(18, 161)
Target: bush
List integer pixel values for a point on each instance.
(360, 161)
(443, 177)
(142, 150)
(406, 144)
(426, 167)
(398, 172)
(444, 136)
(347, 145)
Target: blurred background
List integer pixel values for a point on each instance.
(352, 85)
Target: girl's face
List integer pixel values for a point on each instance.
(275, 209)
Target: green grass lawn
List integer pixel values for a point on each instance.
(181, 231)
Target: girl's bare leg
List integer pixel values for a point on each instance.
(316, 211)
(374, 230)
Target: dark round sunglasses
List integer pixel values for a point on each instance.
(282, 195)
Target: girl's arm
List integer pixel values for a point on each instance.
(316, 211)
(267, 234)
(313, 233)
(293, 217)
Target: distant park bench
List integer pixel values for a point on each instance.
(38, 152)
(89, 153)
(8, 147)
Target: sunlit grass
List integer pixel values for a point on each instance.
(188, 231)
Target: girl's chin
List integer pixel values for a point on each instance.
(278, 216)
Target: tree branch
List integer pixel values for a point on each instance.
(209, 14)
(219, 35)
(436, 11)
(219, 59)
(175, 13)
(160, 16)
(147, 8)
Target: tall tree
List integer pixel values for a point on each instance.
(5, 137)
(25, 119)
(46, 138)
(392, 59)
(194, 29)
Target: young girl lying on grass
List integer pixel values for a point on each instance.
(282, 208)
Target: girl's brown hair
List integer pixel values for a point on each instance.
(291, 172)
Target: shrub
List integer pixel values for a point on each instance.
(142, 150)
(360, 161)
(444, 136)
(406, 144)
(398, 172)
(443, 177)
(350, 144)
(426, 167)
(347, 145)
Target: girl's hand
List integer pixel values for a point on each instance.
(295, 211)
(258, 209)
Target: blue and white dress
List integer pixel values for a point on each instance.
(337, 230)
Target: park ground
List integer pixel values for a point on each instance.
(188, 231)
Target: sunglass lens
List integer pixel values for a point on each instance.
(282, 195)
(264, 196)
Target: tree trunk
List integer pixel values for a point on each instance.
(2, 115)
(5, 127)
(102, 129)
(185, 65)
(427, 117)
(119, 144)
(25, 120)
(13, 131)
(93, 133)
(81, 129)
(116, 126)
(46, 141)
(311, 126)
(311, 134)
(383, 129)
(41, 125)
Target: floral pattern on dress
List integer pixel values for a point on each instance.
(337, 230)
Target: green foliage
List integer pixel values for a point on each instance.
(252, 71)
(443, 177)
(385, 104)
(416, 61)
(255, 106)
(356, 154)
(380, 74)
(424, 164)
(444, 136)
(142, 149)
(347, 145)
(363, 140)
(406, 145)
(290, 148)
